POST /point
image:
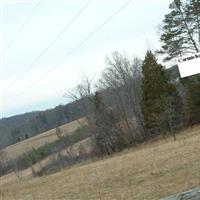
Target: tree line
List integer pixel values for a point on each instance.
(136, 100)
(20, 127)
(144, 99)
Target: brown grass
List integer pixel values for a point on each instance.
(19, 148)
(27, 173)
(150, 171)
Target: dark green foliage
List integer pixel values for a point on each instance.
(26, 136)
(154, 90)
(160, 100)
(181, 35)
(193, 16)
(15, 134)
(192, 85)
(181, 29)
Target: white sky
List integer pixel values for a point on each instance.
(132, 30)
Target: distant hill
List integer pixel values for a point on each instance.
(20, 127)
(173, 72)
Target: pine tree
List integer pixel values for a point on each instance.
(193, 17)
(160, 98)
(180, 28)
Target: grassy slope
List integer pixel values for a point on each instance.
(150, 171)
(27, 173)
(19, 148)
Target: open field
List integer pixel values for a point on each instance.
(19, 148)
(27, 173)
(150, 171)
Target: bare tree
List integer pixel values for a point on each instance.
(123, 78)
(118, 122)
(17, 171)
(83, 93)
(59, 133)
(2, 161)
(113, 112)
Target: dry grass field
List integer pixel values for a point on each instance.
(19, 148)
(27, 173)
(152, 170)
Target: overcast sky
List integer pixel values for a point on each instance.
(133, 30)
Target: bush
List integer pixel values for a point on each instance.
(35, 155)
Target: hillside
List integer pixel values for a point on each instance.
(20, 127)
(152, 170)
(19, 148)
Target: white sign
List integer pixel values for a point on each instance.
(189, 65)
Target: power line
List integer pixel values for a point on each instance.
(49, 46)
(21, 28)
(77, 47)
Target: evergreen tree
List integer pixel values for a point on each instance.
(160, 100)
(193, 99)
(180, 29)
(181, 35)
(193, 17)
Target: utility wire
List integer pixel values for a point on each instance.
(77, 47)
(21, 28)
(49, 46)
